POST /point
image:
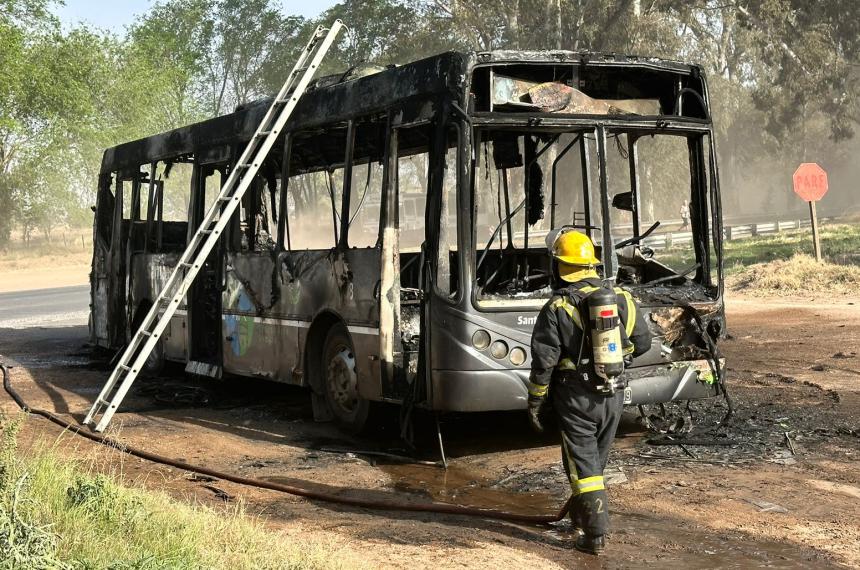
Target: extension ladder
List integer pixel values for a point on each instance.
(214, 223)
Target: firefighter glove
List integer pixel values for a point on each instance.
(536, 406)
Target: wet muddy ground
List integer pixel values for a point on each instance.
(780, 487)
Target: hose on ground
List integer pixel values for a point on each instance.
(440, 508)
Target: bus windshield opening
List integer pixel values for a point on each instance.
(657, 209)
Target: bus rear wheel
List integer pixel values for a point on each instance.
(340, 381)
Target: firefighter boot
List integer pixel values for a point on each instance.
(590, 544)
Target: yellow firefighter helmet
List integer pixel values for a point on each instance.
(574, 248)
(574, 253)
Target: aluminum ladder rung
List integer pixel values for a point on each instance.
(214, 222)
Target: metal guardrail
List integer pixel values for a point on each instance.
(663, 240)
(730, 232)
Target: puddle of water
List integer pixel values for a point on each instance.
(459, 486)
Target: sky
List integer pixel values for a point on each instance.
(116, 14)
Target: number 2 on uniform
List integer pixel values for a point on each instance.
(599, 506)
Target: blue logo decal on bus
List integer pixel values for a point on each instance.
(240, 328)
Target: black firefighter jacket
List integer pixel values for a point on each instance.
(557, 339)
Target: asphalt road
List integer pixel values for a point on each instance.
(60, 306)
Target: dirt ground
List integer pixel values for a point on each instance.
(44, 272)
(742, 500)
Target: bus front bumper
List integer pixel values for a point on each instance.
(497, 390)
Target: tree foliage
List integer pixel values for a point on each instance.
(779, 70)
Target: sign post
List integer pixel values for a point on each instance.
(816, 241)
(810, 183)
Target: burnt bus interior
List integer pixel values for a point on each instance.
(622, 182)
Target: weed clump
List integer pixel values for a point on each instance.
(23, 543)
(798, 275)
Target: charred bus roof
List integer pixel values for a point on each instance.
(603, 76)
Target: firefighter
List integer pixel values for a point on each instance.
(564, 374)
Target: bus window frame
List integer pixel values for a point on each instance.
(700, 196)
(283, 207)
(284, 241)
(475, 248)
(454, 205)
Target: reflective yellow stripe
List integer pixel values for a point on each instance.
(566, 364)
(538, 390)
(592, 488)
(590, 480)
(570, 465)
(631, 312)
(629, 349)
(588, 289)
(571, 311)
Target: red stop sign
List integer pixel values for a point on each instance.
(810, 182)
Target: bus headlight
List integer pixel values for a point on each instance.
(481, 339)
(499, 349)
(518, 356)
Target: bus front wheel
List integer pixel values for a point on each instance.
(340, 380)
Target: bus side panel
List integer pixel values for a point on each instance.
(149, 274)
(267, 318)
(99, 299)
(259, 340)
(361, 309)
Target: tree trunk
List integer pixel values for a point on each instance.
(558, 28)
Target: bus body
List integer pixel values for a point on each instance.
(392, 247)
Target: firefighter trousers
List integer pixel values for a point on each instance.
(588, 421)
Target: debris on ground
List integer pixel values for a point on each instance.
(767, 506)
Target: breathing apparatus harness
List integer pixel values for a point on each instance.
(601, 330)
(601, 336)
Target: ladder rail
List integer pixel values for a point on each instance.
(252, 145)
(211, 229)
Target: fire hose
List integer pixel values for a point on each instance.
(440, 508)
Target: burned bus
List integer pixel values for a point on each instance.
(391, 248)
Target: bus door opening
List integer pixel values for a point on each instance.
(204, 302)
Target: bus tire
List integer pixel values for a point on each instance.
(339, 377)
(154, 364)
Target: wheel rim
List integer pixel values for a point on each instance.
(342, 381)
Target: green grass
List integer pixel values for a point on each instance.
(57, 513)
(840, 244)
(782, 263)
